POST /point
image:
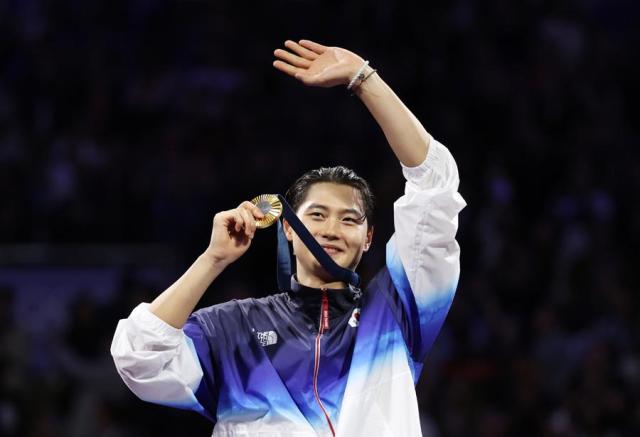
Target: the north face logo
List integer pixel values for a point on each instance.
(267, 338)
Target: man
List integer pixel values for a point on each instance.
(323, 358)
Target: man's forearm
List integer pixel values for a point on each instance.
(177, 302)
(405, 134)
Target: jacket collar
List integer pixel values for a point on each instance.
(309, 300)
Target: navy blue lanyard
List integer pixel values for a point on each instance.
(284, 255)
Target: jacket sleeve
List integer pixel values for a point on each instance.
(158, 362)
(423, 257)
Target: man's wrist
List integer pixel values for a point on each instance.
(355, 63)
(358, 76)
(214, 260)
(366, 82)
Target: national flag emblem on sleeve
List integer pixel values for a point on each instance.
(354, 320)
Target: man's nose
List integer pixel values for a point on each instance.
(330, 228)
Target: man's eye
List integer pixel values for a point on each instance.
(316, 214)
(351, 219)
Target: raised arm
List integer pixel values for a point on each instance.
(317, 65)
(423, 257)
(155, 353)
(231, 236)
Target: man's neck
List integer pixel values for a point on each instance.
(315, 282)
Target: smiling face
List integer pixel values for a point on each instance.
(334, 215)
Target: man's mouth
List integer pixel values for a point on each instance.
(331, 250)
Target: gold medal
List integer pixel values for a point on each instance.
(270, 206)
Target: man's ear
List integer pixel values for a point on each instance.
(288, 232)
(369, 240)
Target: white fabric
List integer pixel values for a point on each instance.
(426, 222)
(156, 360)
(382, 401)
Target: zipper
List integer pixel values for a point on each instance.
(324, 318)
(322, 326)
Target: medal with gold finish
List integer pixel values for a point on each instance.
(270, 206)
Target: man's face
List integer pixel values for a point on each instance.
(334, 215)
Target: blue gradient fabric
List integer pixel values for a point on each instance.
(244, 380)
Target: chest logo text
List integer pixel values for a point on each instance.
(267, 338)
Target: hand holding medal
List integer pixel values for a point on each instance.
(233, 231)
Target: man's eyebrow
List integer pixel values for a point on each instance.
(326, 208)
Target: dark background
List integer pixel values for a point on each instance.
(125, 125)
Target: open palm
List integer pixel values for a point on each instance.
(317, 65)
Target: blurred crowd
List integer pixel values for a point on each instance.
(133, 122)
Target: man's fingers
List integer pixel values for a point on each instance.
(252, 213)
(249, 222)
(313, 46)
(292, 59)
(239, 220)
(242, 218)
(298, 49)
(255, 211)
(286, 68)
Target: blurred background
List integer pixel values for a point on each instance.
(125, 125)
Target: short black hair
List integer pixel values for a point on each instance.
(297, 193)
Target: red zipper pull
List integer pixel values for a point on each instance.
(324, 317)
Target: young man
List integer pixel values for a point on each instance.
(323, 358)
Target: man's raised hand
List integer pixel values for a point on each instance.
(317, 65)
(232, 232)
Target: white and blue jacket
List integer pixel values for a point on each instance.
(310, 362)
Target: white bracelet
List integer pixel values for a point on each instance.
(358, 75)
